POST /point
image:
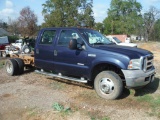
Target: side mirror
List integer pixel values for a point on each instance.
(73, 44)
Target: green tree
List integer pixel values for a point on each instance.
(149, 19)
(86, 14)
(99, 27)
(61, 13)
(124, 16)
(155, 34)
(109, 26)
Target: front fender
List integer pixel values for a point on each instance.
(120, 63)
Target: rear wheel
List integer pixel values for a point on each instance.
(20, 65)
(108, 85)
(11, 67)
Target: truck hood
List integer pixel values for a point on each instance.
(128, 44)
(131, 52)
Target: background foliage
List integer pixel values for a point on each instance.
(68, 13)
(122, 17)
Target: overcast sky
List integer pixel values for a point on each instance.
(11, 8)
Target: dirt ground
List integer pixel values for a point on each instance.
(32, 96)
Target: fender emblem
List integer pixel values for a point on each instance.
(80, 64)
(91, 55)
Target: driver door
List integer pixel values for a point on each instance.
(70, 62)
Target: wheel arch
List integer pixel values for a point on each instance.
(99, 67)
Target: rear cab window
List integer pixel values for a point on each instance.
(47, 37)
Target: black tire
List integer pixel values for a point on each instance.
(20, 63)
(108, 85)
(26, 50)
(11, 67)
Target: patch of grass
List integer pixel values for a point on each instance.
(152, 100)
(154, 103)
(2, 62)
(105, 118)
(98, 118)
(132, 92)
(145, 98)
(96, 115)
(57, 85)
(58, 107)
(32, 112)
(89, 94)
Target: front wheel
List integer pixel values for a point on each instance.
(108, 85)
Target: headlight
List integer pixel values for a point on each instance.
(134, 64)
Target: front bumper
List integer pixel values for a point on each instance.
(138, 78)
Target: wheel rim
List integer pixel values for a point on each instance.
(26, 50)
(106, 85)
(9, 68)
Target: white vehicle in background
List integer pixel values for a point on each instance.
(18, 43)
(13, 48)
(118, 42)
(10, 50)
(16, 48)
(21, 45)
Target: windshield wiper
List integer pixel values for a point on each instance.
(97, 44)
(111, 43)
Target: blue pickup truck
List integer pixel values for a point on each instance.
(85, 55)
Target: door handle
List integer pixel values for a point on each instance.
(37, 51)
(55, 52)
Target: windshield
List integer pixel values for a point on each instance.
(117, 40)
(94, 37)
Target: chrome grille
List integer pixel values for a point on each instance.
(147, 63)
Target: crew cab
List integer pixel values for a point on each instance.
(85, 55)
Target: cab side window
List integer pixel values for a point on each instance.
(47, 37)
(66, 36)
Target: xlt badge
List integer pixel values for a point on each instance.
(91, 55)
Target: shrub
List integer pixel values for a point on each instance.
(12, 39)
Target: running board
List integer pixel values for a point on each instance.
(60, 76)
